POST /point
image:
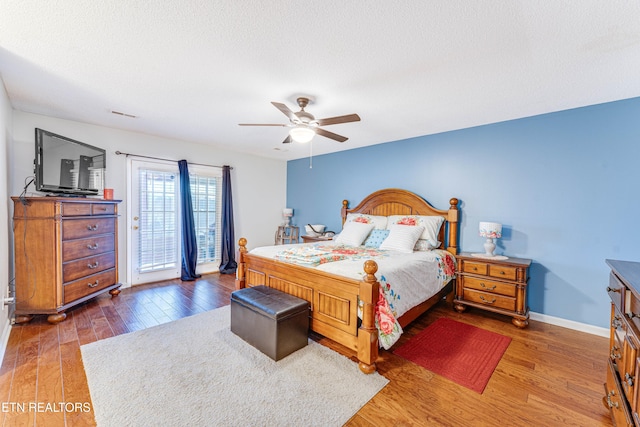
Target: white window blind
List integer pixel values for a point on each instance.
(158, 220)
(207, 215)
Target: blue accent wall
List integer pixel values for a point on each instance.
(564, 185)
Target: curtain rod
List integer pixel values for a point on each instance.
(168, 160)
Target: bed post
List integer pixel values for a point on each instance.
(452, 218)
(240, 282)
(343, 211)
(368, 333)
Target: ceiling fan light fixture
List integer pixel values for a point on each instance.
(302, 134)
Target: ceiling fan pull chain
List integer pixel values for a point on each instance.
(311, 154)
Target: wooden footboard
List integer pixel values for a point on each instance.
(333, 299)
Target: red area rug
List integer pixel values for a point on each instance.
(465, 354)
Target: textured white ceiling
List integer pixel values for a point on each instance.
(193, 70)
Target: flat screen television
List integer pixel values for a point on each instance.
(68, 167)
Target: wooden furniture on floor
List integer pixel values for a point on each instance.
(315, 239)
(287, 234)
(621, 394)
(66, 252)
(495, 285)
(334, 299)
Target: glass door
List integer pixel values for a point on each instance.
(154, 219)
(154, 222)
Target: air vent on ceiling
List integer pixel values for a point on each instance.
(119, 113)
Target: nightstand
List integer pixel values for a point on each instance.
(498, 285)
(312, 239)
(287, 234)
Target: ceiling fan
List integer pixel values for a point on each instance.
(304, 125)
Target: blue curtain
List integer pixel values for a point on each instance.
(189, 242)
(228, 264)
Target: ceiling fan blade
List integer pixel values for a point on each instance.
(287, 112)
(261, 124)
(340, 119)
(287, 140)
(331, 135)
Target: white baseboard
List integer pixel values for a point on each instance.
(570, 324)
(4, 337)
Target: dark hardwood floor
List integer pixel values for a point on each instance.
(549, 376)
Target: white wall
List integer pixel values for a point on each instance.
(258, 184)
(5, 224)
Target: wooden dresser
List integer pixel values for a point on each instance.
(495, 285)
(66, 252)
(623, 367)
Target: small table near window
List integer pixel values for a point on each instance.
(287, 234)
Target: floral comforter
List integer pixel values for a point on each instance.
(406, 280)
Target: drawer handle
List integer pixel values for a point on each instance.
(629, 379)
(102, 208)
(611, 403)
(93, 285)
(502, 272)
(616, 322)
(614, 354)
(487, 301)
(94, 247)
(609, 289)
(482, 285)
(95, 265)
(474, 268)
(93, 227)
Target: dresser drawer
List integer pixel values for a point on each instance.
(503, 272)
(616, 291)
(82, 248)
(474, 267)
(86, 266)
(614, 399)
(76, 209)
(88, 285)
(490, 286)
(632, 309)
(489, 299)
(86, 227)
(103, 209)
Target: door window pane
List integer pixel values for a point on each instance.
(158, 213)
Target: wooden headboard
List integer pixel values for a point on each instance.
(394, 201)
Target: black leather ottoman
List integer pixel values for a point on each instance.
(272, 321)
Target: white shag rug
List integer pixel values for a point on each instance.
(196, 372)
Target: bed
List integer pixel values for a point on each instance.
(343, 308)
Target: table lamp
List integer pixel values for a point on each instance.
(287, 213)
(490, 230)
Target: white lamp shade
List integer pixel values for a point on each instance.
(490, 229)
(287, 212)
(302, 134)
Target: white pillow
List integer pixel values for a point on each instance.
(353, 233)
(402, 238)
(379, 222)
(431, 225)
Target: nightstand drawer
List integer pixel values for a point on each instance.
(491, 286)
(474, 267)
(489, 299)
(502, 272)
